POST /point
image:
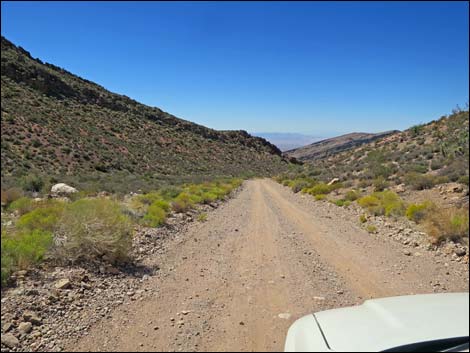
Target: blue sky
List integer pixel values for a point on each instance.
(320, 68)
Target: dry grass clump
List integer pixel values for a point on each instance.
(448, 223)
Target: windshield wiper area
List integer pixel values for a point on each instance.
(456, 344)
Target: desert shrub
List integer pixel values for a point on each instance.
(299, 184)
(380, 183)
(338, 203)
(362, 218)
(209, 197)
(202, 217)
(22, 205)
(322, 189)
(372, 204)
(440, 179)
(94, 229)
(456, 168)
(416, 130)
(417, 212)
(463, 180)
(320, 197)
(182, 203)
(363, 183)
(32, 183)
(149, 198)
(385, 203)
(371, 228)
(450, 223)
(164, 205)
(419, 181)
(42, 218)
(437, 163)
(21, 250)
(156, 213)
(352, 195)
(170, 192)
(10, 195)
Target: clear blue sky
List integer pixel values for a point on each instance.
(318, 68)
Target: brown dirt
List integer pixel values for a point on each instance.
(266, 252)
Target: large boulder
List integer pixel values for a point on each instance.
(62, 189)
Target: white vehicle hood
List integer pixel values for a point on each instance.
(382, 324)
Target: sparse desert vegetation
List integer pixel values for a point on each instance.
(92, 229)
(384, 176)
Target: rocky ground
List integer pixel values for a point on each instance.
(50, 304)
(234, 282)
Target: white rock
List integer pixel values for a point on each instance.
(62, 189)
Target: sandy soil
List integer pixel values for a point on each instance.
(259, 262)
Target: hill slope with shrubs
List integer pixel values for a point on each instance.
(419, 157)
(325, 148)
(58, 126)
(420, 174)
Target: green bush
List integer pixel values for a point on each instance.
(21, 250)
(33, 183)
(156, 213)
(323, 189)
(170, 192)
(95, 229)
(417, 212)
(419, 181)
(416, 130)
(463, 180)
(209, 197)
(372, 204)
(149, 198)
(352, 195)
(380, 184)
(362, 218)
(42, 218)
(385, 203)
(300, 184)
(320, 197)
(371, 229)
(22, 205)
(341, 203)
(182, 203)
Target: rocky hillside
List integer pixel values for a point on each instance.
(325, 148)
(420, 157)
(62, 127)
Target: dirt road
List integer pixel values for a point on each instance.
(262, 260)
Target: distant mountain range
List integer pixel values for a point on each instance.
(333, 145)
(287, 141)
